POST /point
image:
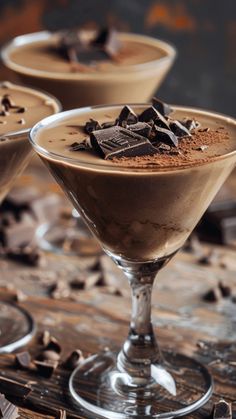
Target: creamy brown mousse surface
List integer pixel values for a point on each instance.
(40, 56)
(20, 109)
(141, 208)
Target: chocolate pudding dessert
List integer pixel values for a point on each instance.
(20, 109)
(141, 175)
(84, 67)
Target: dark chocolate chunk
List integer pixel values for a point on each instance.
(108, 40)
(7, 409)
(127, 116)
(28, 255)
(108, 124)
(46, 368)
(91, 126)
(225, 289)
(161, 107)
(119, 142)
(165, 136)
(190, 124)
(53, 345)
(141, 128)
(14, 388)
(222, 410)
(220, 222)
(23, 359)
(74, 359)
(7, 102)
(21, 109)
(151, 114)
(179, 129)
(212, 296)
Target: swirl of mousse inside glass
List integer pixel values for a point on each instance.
(141, 176)
(20, 108)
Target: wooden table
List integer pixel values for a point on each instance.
(95, 318)
(98, 319)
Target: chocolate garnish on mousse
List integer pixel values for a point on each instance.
(77, 48)
(132, 135)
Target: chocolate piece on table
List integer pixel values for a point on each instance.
(23, 359)
(127, 116)
(161, 107)
(225, 289)
(53, 345)
(164, 135)
(7, 409)
(18, 233)
(141, 128)
(46, 368)
(179, 129)
(91, 126)
(151, 114)
(27, 255)
(212, 296)
(119, 142)
(108, 40)
(14, 388)
(73, 360)
(222, 410)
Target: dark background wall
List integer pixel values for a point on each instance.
(204, 32)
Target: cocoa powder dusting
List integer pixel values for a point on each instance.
(190, 151)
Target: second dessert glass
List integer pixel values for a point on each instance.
(133, 82)
(141, 217)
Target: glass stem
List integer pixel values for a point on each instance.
(140, 349)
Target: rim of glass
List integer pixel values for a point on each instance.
(30, 88)
(30, 38)
(116, 168)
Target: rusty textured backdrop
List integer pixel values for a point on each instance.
(204, 32)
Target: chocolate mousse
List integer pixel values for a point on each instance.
(20, 109)
(140, 175)
(89, 67)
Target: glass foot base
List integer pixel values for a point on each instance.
(67, 237)
(16, 327)
(95, 386)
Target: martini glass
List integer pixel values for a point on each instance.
(141, 217)
(133, 82)
(16, 325)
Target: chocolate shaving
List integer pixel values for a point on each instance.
(7, 409)
(222, 410)
(83, 145)
(191, 124)
(119, 142)
(161, 107)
